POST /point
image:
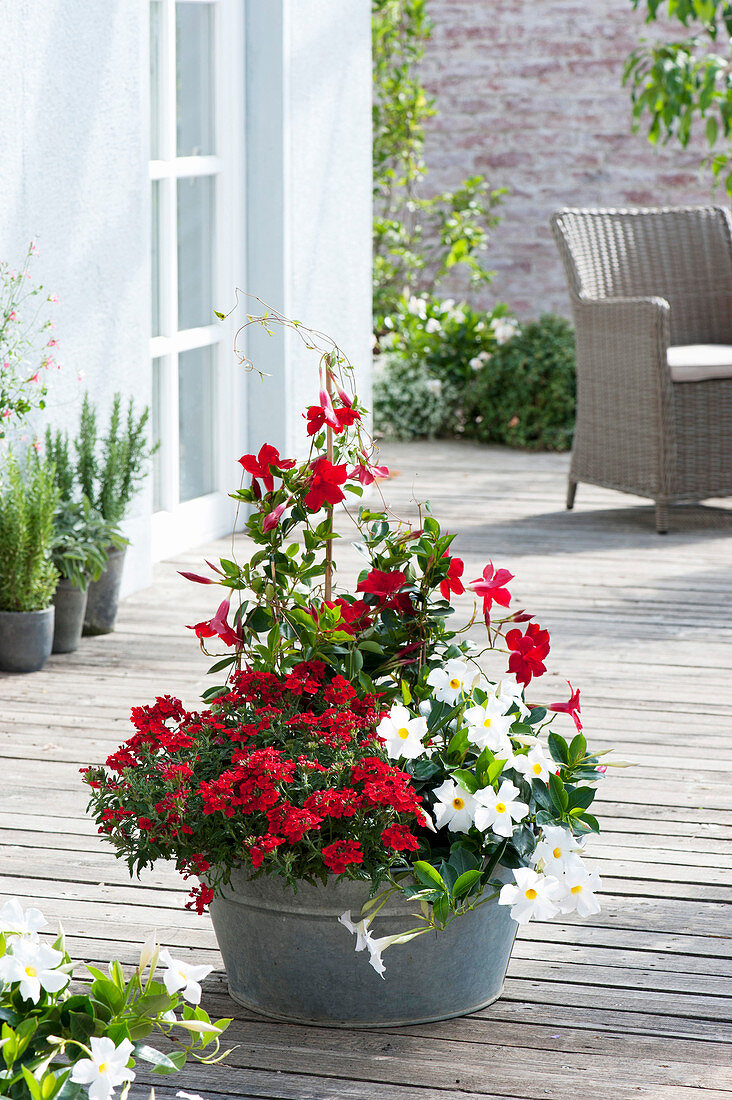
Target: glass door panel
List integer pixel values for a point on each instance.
(196, 405)
(194, 79)
(196, 259)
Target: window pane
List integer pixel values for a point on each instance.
(194, 78)
(196, 421)
(155, 8)
(195, 251)
(157, 400)
(155, 241)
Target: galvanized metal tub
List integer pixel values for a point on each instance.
(287, 957)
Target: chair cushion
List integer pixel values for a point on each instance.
(700, 362)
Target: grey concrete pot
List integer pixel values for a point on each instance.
(70, 604)
(25, 639)
(103, 599)
(287, 957)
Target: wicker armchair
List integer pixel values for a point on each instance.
(651, 295)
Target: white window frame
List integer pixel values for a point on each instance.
(180, 525)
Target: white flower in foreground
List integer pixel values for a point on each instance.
(34, 965)
(402, 733)
(534, 895)
(511, 694)
(533, 765)
(499, 810)
(576, 894)
(557, 851)
(488, 728)
(24, 922)
(450, 682)
(360, 929)
(183, 978)
(106, 1068)
(364, 939)
(455, 807)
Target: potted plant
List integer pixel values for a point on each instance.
(82, 540)
(359, 771)
(109, 473)
(73, 1044)
(28, 576)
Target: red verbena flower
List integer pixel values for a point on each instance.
(325, 482)
(261, 465)
(338, 855)
(529, 651)
(399, 838)
(572, 707)
(452, 582)
(491, 586)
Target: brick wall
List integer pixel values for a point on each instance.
(529, 94)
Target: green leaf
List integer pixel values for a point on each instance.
(495, 769)
(31, 1084)
(558, 794)
(581, 798)
(441, 909)
(427, 875)
(559, 748)
(466, 779)
(465, 883)
(108, 993)
(578, 748)
(163, 1062)
(406, 693)
(538, 714)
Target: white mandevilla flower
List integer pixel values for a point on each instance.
(455, 807)
(557, 851)
(432, 325)
(534, 895)
(417, 306)
(364, 939)
(488, 727)
(23, 922)
(35, 966)
(181, 977)
(450, 682)
(106, 1068)
(510, 693)
(576, 892)
(499, 810)
(402, 733)
(533, 765)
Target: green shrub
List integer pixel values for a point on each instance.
(82, 539)
(524, 394)
(110, 474)
(429, 357)
(28, 496)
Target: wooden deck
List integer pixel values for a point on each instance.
(633, 1003)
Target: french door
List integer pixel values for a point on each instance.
(196, 53)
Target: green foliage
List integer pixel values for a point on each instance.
(82, 539)
(42, 1040)
(57, 452)
(417, 240)
(524, 394)
(431, 351)
(110, 472)
(28, 497)
(675, 83)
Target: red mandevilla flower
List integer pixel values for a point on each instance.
(367, 473)
(325, 482)
(492, 587)
(572, 707)
(381, 585)
(529, 651)
(261, 466)
(452, 582)
(218, 627)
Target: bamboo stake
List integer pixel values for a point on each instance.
(329, 451)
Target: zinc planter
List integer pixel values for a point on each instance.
(103, 598)
(287, 957)
(26, 638)
(70, 604)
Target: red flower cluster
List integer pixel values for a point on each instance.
(529, 651)
(325, 484)
(282, 771)
(336, 417)
(262, 465)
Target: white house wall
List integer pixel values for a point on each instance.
(74, 173)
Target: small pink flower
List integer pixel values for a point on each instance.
(12, 316)
(32, 246)
(53, 343)
(81, 375)
(601, 768)
(36, 445)
(53, 298)
(6, 365)
(7, 414)
(35, 377)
